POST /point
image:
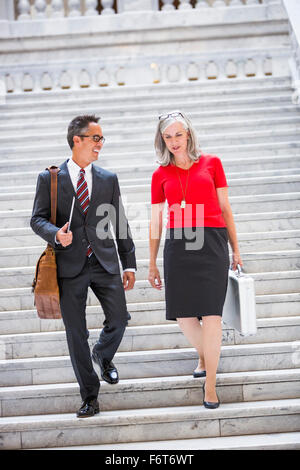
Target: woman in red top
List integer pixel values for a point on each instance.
(196, 257)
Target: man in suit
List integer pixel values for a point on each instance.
(86, 254)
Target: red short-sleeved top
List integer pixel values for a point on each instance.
(202, 206)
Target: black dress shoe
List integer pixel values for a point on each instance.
(210, 404)
(109, 372)
(89, 407)
(199, 374)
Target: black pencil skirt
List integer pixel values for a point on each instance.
(195, 273)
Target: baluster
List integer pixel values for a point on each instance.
(236, 3)
(84, 79)
(24, 10)
(185, 5)
(156, 72)
(40, 8)
(252, 2)
(91, 8)
(58, 10)
(250, 68)
(74, 8)
(202, 4)
(168, 5)
(107, 7)
(212, 70)
(102, 77)
(192, 71)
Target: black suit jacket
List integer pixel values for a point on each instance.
(93, 228)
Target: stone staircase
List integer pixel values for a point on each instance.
(254, 128)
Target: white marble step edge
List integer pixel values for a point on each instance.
(139, 393)
(272, 441)
(225, 151)
(144, 222)
(142, 284)
(132, 144)
(8, 193)
(145, 356)
(287, 110)
(226, 126)
(143, 313)
(144, 330)
(148, 415)
(108, 109)
(144, 262)
(253, 236)
(155, 94)
(151, 383)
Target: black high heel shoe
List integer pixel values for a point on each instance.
(199, 374)
(210, 404)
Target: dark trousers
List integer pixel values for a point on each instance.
(109, 290)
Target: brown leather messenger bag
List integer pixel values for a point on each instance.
(45, 286)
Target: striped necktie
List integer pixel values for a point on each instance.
(83, 196)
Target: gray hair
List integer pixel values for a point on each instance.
(164, 155)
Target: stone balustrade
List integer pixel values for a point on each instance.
(52, 9)
(293, 11)
(97, 73)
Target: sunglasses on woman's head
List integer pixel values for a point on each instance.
(173, 114)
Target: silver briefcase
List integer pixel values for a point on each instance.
(239, 310)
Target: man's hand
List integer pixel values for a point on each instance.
(63, 237)
(128, 280)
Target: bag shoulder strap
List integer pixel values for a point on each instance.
(53, 172)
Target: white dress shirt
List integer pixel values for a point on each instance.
(74, 172)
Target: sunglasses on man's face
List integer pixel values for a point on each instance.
(96, 138)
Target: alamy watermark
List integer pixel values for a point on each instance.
(140, 214)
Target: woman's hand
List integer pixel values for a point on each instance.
(154, 278)
(236, 259)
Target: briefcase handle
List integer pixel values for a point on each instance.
(239, 269)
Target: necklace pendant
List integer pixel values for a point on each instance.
(182, 205)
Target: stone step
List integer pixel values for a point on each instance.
(254, 262)
(283, 282)
(144, 338)
(271, 441)
(16, 223)
(155, 94)
(139, 144)
(142, 313)
(153, 109)
(117, 426)
(280, 124)
(151, 392)
(17, 256)
(145, 126)
(137, 90)
(234, 168)
(11, 200)
(25, 237)
(25, 181)
(156, 363)
(29, 123)
(241, 152)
